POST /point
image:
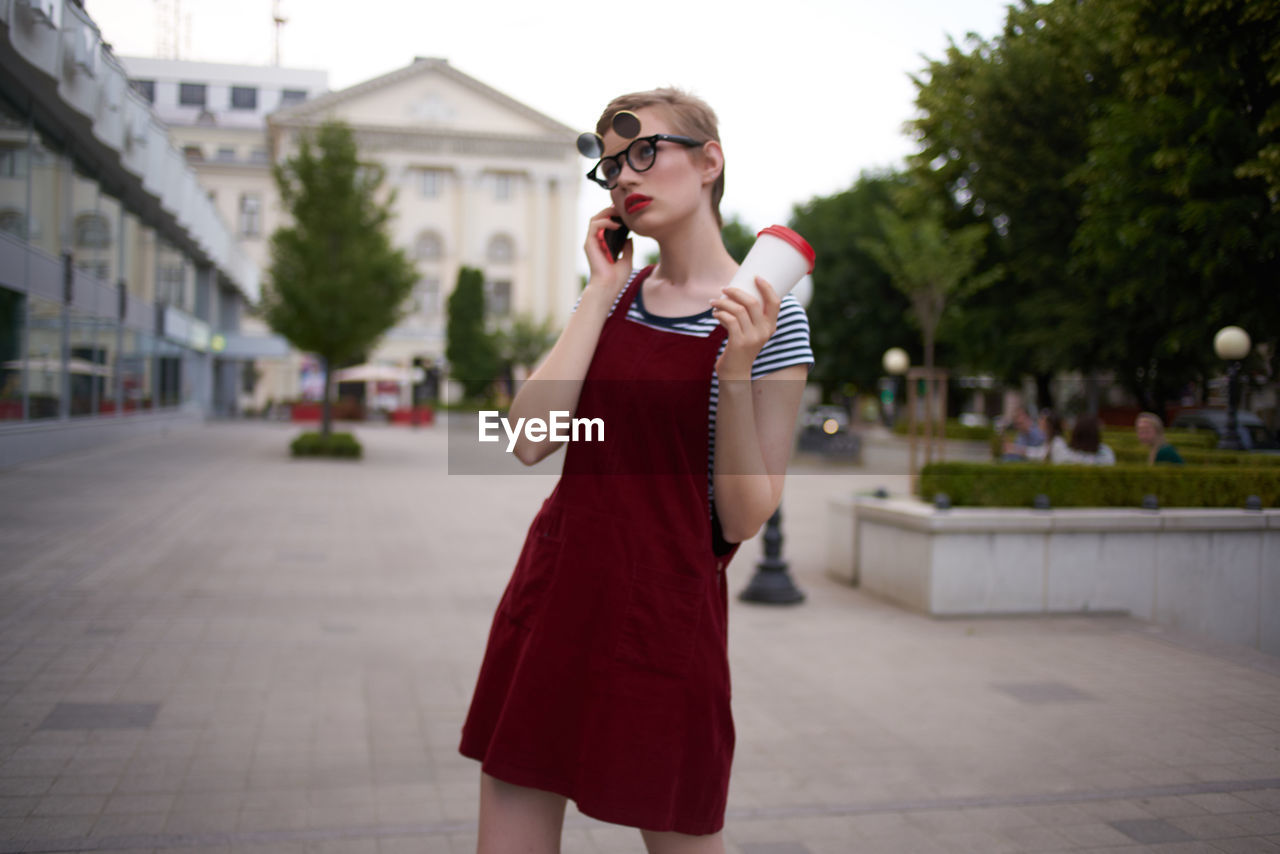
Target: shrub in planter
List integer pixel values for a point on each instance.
(1200, 457)
(1018, 484)
(343, 445)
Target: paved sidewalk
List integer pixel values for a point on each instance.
(207, 647)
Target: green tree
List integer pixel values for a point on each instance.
(928, 262)
(335, 282)
(1127, 154)
(524, 341)
(1004, 126)
(1181, 214)
(855, 313)
(738, 238)
(471, 349)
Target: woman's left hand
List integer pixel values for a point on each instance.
(750, 322)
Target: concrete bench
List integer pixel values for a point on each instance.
(1214, 572)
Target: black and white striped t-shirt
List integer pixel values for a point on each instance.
(789, 344)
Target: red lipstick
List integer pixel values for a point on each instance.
(636, 202)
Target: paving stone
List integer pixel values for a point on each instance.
(91, 716)
(1039, 693)
(773, 848)
(1246, 845)
(1151, 831)
(309, 637)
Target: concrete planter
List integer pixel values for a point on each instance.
(1213, 572)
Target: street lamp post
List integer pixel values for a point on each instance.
(1232, 344)
(896, 363)
(772, 584)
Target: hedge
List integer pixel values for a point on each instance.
(335, 445)
(1139, 454)
(1018, 484)
(1203, 440)
(953, 429)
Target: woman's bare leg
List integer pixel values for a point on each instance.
(682, 843)
(517, 819)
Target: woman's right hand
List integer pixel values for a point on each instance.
(606, 274)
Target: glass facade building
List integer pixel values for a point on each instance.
(118, 281)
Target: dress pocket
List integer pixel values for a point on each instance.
(534, 573)
(660, 624)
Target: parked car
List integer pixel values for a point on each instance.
(1254, 435)
(825, 430)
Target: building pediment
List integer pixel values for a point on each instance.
(429, 95)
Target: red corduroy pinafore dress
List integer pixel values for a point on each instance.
(606, 676)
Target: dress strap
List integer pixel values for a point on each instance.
(629, 295)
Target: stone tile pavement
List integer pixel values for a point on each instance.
(207, 647)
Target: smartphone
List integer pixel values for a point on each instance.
(616, 238)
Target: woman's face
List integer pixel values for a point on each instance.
(666, 193)
(1146, 431)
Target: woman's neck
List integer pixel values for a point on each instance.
(694, 257)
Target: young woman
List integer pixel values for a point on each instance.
(1086, 446)
(606, 677)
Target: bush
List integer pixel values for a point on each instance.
(1138, 454)
(1119, 437)
(1017, 485)
(953, 429)
(312, 444)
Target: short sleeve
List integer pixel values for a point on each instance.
(789, 345)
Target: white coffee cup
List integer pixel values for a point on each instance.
(779, 256)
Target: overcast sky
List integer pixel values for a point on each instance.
(810, 93)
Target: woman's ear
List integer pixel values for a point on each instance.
(712, 161)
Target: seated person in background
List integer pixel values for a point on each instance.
(1085, 447)
(1029, 436)
(1150, 430)
(1051, 428)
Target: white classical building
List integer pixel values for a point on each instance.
(480, 180)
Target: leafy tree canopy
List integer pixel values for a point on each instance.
(856, 313)
(471, 349)
(336, 283)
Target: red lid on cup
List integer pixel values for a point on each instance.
(802, 245)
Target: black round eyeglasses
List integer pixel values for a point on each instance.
(640, 155)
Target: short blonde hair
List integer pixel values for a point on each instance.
(690, 116)
(1153, 418)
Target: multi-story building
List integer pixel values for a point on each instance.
(216, 114)
(480, 180)
(119, 282)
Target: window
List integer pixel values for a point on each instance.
(101, 269)
(428, 247)
(502, 249)
(244, 98)
(170, 281)
(427, 297)
(193, 153)
(13, 222)
(93, 231)
(191, 94)
(250, 215)
(258, 155)
(289, 97)
(502, 185)
(431, 182)
(145, 88)
(226, 155)
(13, 162)
(497, 298)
